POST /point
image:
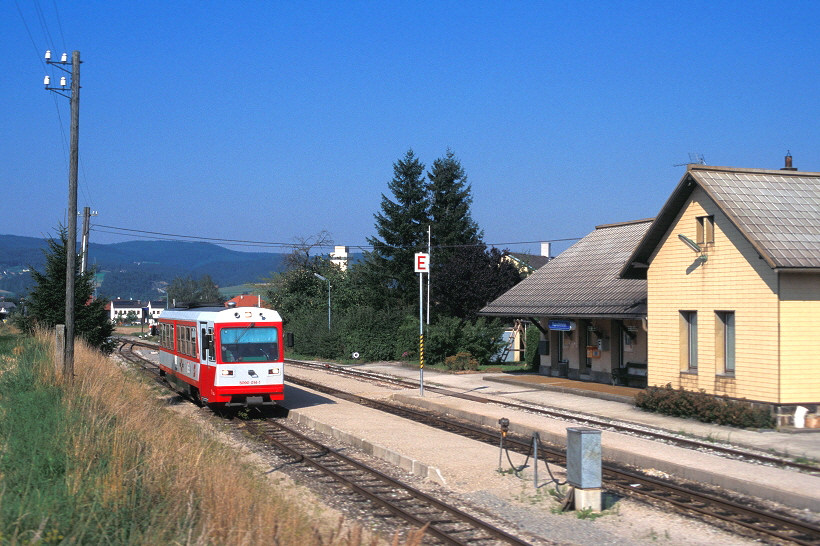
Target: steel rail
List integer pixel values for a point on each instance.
(586, 420)
(778, 526)
(687, 499)
(392, 506)
(323, 450)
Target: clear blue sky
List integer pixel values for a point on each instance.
(271, 120)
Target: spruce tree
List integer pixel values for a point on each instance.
(45, 304)
(450, 200)
(402, 231)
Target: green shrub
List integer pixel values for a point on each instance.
(461, 361)
(704, 407)
(376, 334)
(449, 336)
(531, 356)
(388, 334)
(407, 339)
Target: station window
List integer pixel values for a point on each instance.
(689, 340)
(706, 229)
(725, 341)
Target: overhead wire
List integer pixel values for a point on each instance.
(157, 235)
(49, 39)
(59, 24)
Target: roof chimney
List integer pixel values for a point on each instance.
(788, 166)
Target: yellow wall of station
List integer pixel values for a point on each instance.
(799, 328)
(733, 278)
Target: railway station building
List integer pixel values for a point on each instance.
(719, 293)
(592, 321)
(732, 265)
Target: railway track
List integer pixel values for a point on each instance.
(606, 424)
(446, 523)
(755, 521)
(389, 496)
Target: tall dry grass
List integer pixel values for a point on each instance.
(135, 472)
(192, 487)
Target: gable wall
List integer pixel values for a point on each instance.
(733, 278)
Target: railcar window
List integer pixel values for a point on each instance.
(166, 335)
(252, 344)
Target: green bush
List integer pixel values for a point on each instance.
(704, 407)
(407, 339)
(461, 361)
(531, 356)
(388, 334)
(449, 336)
(376, 334)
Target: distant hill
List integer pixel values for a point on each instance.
(136, 269)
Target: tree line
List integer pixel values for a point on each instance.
(374, 303)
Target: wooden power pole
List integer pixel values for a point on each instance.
(73, 161)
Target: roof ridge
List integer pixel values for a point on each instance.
(780, 172)
(630, 222)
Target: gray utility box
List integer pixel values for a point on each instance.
(584, 458)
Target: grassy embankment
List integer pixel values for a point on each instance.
(102, 460)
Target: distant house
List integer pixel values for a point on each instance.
(591, 320)
(340, 257)
(119, 309)
(527, 263)
(732, 265)
(247, 300)
(155, 307)
(6, 307)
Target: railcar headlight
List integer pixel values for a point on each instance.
(273, 371)
(227, 372)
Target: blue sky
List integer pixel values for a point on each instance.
(270, 121)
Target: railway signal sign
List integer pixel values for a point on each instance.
(422, 265)
(422, 262)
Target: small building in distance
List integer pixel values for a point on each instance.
(247, 300)
(528, 263)
(119, 310)
(340, 257)
(6, 308)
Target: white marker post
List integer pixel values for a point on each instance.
(422, 266)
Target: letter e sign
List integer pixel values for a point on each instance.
(422, 261)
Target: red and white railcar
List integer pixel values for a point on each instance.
(223, 356)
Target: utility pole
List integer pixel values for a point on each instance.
(87, 214)
(430, 253)
(71, 250)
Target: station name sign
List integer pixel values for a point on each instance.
(561, 325)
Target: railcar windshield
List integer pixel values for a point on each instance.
(250, 344)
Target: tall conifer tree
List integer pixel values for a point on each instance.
(45, 304)
(450, 200)
(402, 230)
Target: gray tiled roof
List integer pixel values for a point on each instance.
(777, 211)
(582, 281)
(534, 261)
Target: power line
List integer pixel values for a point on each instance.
(59, 24)
(243, 242)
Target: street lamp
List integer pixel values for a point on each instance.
(328, 298)
(73, 94)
